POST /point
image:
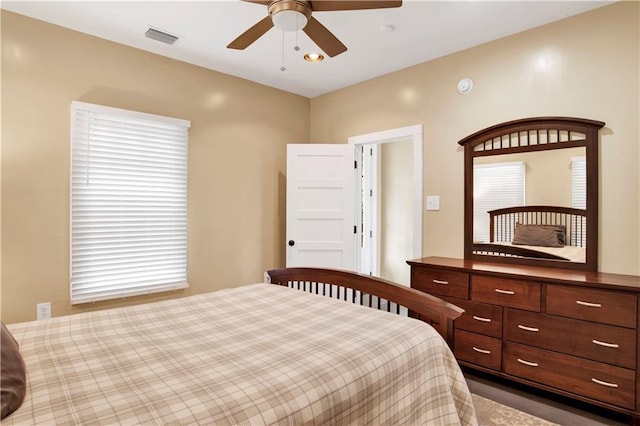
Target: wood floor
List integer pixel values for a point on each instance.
(553, 408)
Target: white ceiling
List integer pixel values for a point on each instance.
(424, 30)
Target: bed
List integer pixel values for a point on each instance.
(256, 354)
(540, 232)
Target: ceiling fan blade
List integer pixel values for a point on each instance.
(264, 2)
(329, 5)
(323, 38)
(252, 34)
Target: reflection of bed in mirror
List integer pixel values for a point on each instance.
(549, 232)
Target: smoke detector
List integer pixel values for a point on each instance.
(465, 85)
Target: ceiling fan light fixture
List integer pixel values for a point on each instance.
(313, 57)
(289, 20)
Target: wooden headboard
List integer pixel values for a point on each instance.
(503, 221)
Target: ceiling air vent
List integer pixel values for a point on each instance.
(158, 35)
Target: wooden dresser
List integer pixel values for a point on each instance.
(571, 332)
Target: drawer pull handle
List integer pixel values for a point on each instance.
(525, 328)
(497, 290)
(477, 318)
(482, 351)
(605, 344)
(441, 282)
(600, 382)
(529, 363)
(591, 305)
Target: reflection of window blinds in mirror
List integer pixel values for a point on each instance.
(579, 191)
(495, 186)
(579, 182)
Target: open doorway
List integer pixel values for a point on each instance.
(389, 202)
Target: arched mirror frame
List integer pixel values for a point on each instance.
(516, 137)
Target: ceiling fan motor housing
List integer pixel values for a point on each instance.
(290, 15)
(295, 15)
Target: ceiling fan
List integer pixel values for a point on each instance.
(295, 15)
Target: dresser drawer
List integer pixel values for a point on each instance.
(441, 283)
(602, 382)
(598, 342)
(478, 349)
(506, 292)
(478, 317)
(607, 307)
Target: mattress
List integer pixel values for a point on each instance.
(570, 253)
(256, 354)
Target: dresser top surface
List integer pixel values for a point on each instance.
(567, 276)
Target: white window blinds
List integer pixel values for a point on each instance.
(128, 203)
(495, 186)
(579, 182)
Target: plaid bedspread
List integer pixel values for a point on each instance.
(258, 354)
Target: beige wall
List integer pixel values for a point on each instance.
(236, 159)
(547, 174)
(585, 66)
(0, 176)
(396, 210)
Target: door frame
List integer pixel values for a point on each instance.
(367, 255)
(415, 134)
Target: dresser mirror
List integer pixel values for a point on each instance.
(531, 193)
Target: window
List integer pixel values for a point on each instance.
(578, 198)
(579, 182)
(495, 186)
(128, 203)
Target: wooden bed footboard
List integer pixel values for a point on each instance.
(372, 292)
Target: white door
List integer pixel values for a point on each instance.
(321, 206)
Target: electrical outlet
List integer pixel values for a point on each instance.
(43, 310)
(433, 202)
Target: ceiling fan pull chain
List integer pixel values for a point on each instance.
(296, 47)
(282, 68)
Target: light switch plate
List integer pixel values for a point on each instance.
(433, 202)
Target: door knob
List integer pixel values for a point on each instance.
(292, 243)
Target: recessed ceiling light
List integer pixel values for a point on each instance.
(313, 57)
